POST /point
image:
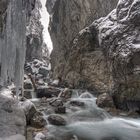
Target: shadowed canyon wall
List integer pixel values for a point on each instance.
(103, 56)
(67, 19)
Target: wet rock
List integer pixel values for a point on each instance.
(104, 100)
(47, 92)
(28, 94)
(29, 109)
(56, 120)
(28, 84)
(27, 68)
(60, 110)
(56, 102)
(77, 103)
(66, 93)
(43, 71)
(38, 120)
(50, 111)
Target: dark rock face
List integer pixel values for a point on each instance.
(86, 65)
(3, 7)
(67, 19)
(47, 92)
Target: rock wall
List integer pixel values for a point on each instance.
(13, 19)
(105, 56)
(67, 19)
(119, 36)
(34, 34)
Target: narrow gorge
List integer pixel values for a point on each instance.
(69, 70)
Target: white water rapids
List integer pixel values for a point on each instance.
(89, 122)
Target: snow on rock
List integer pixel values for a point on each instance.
(39, 136)
(119, 39)
(34, 66)
(7, 93)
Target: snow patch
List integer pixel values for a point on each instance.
(39, 136)
(45, 23)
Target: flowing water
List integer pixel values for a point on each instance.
(86, 121)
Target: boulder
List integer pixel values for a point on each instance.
(29, 109)
(56, 120)
(43, 71)
(77, 103)
(47, 92)
(60, 109)
(12, 118)
(56, 102)
(38, 120)
(28, 68)
(66, 94)
(28, 84)
(105, 100)
(28, 94)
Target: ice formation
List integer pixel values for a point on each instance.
(12, 45)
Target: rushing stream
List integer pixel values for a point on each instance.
(86, 121)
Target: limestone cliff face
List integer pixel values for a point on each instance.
(14, 15)
(103, 56)
(106, 56)
(68, 17)
(119, 36)
(34, 34)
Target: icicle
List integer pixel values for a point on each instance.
(13, 46)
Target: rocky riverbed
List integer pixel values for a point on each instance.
(50, 110)
(74, 115)
(56, 112)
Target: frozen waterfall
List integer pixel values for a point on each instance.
(12, 45)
